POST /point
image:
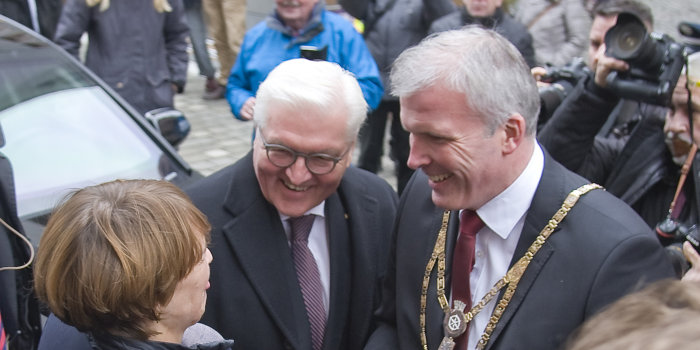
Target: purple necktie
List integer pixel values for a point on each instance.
(463, 263)
(308, 277)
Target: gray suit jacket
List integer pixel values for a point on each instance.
(601, 251)
(255, 298)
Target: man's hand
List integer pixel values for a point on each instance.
(604, 65)
(693, 275)
(538, 73)
(247, 109)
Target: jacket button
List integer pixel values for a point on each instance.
(120, 85)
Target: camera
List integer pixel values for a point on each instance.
(313, 53)
(672, 235)
(561, 81)
(670, 229)
(655, 61)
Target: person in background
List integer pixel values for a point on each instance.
(299, 28)
(137, 47)
(39, 15)
(559, 29)
(391, 26)
(643, 165)
(198, 39)
(490, 15)
(301, 238)
(226, 22)
(127, 263)
(481, 228)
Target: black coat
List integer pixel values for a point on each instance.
(637, 168)
(600, 252)
(255, 297)
(18, 304)
(106, 342)
(501, 22)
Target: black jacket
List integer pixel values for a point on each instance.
(637, 168)
(18, 305)
(48, 12)
(501, 22)
(106, 342)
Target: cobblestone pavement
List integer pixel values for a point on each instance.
(218, 139)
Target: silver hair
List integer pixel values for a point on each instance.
(481, 64)
(315, 85)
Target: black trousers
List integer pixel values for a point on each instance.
(372, 142)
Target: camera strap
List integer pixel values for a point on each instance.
(684, 174)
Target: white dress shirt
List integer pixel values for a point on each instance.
(504, 217)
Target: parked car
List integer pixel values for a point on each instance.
(63, 128)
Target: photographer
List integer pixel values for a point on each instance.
(556, 83)
(642, 164)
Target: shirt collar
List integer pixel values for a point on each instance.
(503, 212)
(318, 210)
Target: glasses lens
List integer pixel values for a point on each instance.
(280, 157)
(320, 164)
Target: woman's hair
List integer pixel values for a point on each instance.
(160, 5)
(664, 315)
(112, 254)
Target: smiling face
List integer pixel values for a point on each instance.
(295, 13)
(294, 190)
(451, 144)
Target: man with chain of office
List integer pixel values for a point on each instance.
(496, 245)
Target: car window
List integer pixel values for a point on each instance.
(70, 139)
(62, 130)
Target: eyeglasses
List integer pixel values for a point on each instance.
(316, 163)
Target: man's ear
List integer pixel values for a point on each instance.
(514, 129)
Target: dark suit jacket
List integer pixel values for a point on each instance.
(255, 298)
(601, 251)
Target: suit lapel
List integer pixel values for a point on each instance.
(339, 247)
(548, 198)
(257, 239)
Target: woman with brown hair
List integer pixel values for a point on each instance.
(127, 263)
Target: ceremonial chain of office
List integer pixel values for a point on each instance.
(456, 320)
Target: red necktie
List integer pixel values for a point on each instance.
(463, 263)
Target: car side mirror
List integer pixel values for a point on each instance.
(170, 123)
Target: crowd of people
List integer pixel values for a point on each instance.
(504, 231)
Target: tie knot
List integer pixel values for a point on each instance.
(301, 227)
(469, 223)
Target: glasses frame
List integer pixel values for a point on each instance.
(296, 154)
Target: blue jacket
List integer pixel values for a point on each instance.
(269, 43)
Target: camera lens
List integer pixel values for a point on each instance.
(667, 228)
(628, 40)
(625, 39)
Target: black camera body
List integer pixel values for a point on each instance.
(655, 61)
(675, 231)
(313, 53)
(561, 81)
